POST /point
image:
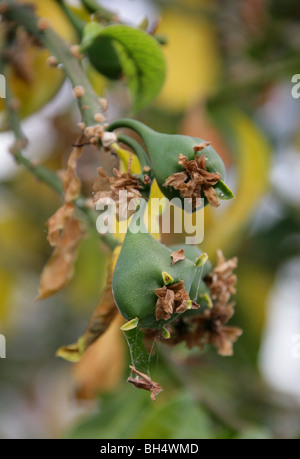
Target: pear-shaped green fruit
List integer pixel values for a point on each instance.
(144, 265)
(164, 151)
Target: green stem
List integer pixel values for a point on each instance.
(77, 23)
(23, 14)
(137, 148)
(93, 6)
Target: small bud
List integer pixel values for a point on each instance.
(94, 141)
(85, 107)
(43, 24)
(99, 118)
(147, 169)
(99, 132)
(74, 50)
(167, 278)
(90, 131)
(108, 139)
(189, 304)
(205, 297)
(78, 92)
(165, 333)
(201, 260)
(82, 126)
(103, 103)
(52, 61)
(130, 325)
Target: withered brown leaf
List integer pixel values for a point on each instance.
(59, 269)
(142, 381)
(71, 182)
(101, 367)
(64, 234)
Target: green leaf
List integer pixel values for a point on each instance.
(119, 415)
(130, 413)
(178, 418)
(122, 50)
(255, 433)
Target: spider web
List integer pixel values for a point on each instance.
(142, 359)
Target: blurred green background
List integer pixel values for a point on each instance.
(230, 65)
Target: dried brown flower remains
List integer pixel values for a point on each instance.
(195, 179)
(172, 299)
(108, 188)
(210, 327)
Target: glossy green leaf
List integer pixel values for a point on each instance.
(122, 50)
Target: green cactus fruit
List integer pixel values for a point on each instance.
(144, 265)
(199, 291)
(164, 151)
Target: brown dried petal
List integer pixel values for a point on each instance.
(164, 304)
(194, 179)
(110, 187)
(171, 299)
(57, 223)
(201, 146)
(177, 256)
(224, 339)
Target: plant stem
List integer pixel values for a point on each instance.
(24, 15)
(77, 23)
(40, 172)
(137, 148)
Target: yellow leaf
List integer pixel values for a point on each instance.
(252, 154)
(192, 57)
(102, 365)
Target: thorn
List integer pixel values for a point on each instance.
(207, 299)
(130, 325)
(167, 278)
(165, 333)
(201, 260)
